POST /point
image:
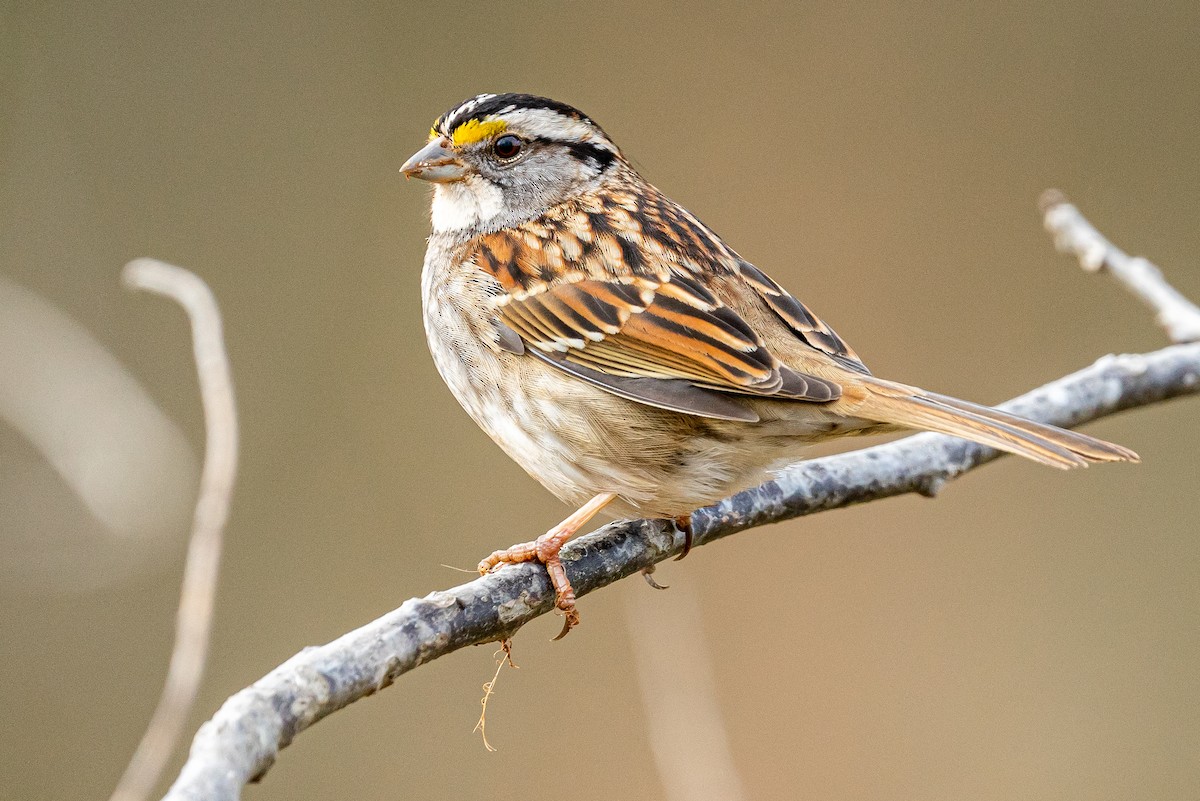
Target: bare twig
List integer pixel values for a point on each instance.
(193, 621)
(1074, 235)
(241, 741)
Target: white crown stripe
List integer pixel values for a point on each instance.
(549, 124)
(545, 123)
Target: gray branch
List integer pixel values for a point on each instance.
(242, 740)
(1073, 234)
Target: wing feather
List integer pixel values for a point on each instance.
(808, 326)
(636, 316)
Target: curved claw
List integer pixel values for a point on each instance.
(571, 621)
(684, 523)
(646, 574)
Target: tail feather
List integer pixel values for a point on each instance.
(909, 407)
(1091, 448)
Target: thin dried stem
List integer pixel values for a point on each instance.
(1074, 235)
(503, 655)
(193, 621)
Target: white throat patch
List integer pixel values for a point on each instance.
(465, 204)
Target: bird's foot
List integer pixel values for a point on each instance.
(545, 549)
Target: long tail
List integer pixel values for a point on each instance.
(909, 407)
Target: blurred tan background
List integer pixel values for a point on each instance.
(1028, 635)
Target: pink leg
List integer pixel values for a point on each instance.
(545, 550)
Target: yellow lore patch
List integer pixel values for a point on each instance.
(473, 131)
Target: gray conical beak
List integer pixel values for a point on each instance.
(435, 162)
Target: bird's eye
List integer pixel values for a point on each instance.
(507, 147)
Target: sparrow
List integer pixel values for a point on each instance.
(620, 351)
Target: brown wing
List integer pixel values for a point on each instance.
(640, 320)
(808, 326)
(664, 220)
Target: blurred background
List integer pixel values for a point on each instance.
(1028, 635)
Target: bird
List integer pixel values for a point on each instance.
(620, 351)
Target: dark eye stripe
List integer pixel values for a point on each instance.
(586, 150)
(583, 151)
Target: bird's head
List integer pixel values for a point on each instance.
(499, 160)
